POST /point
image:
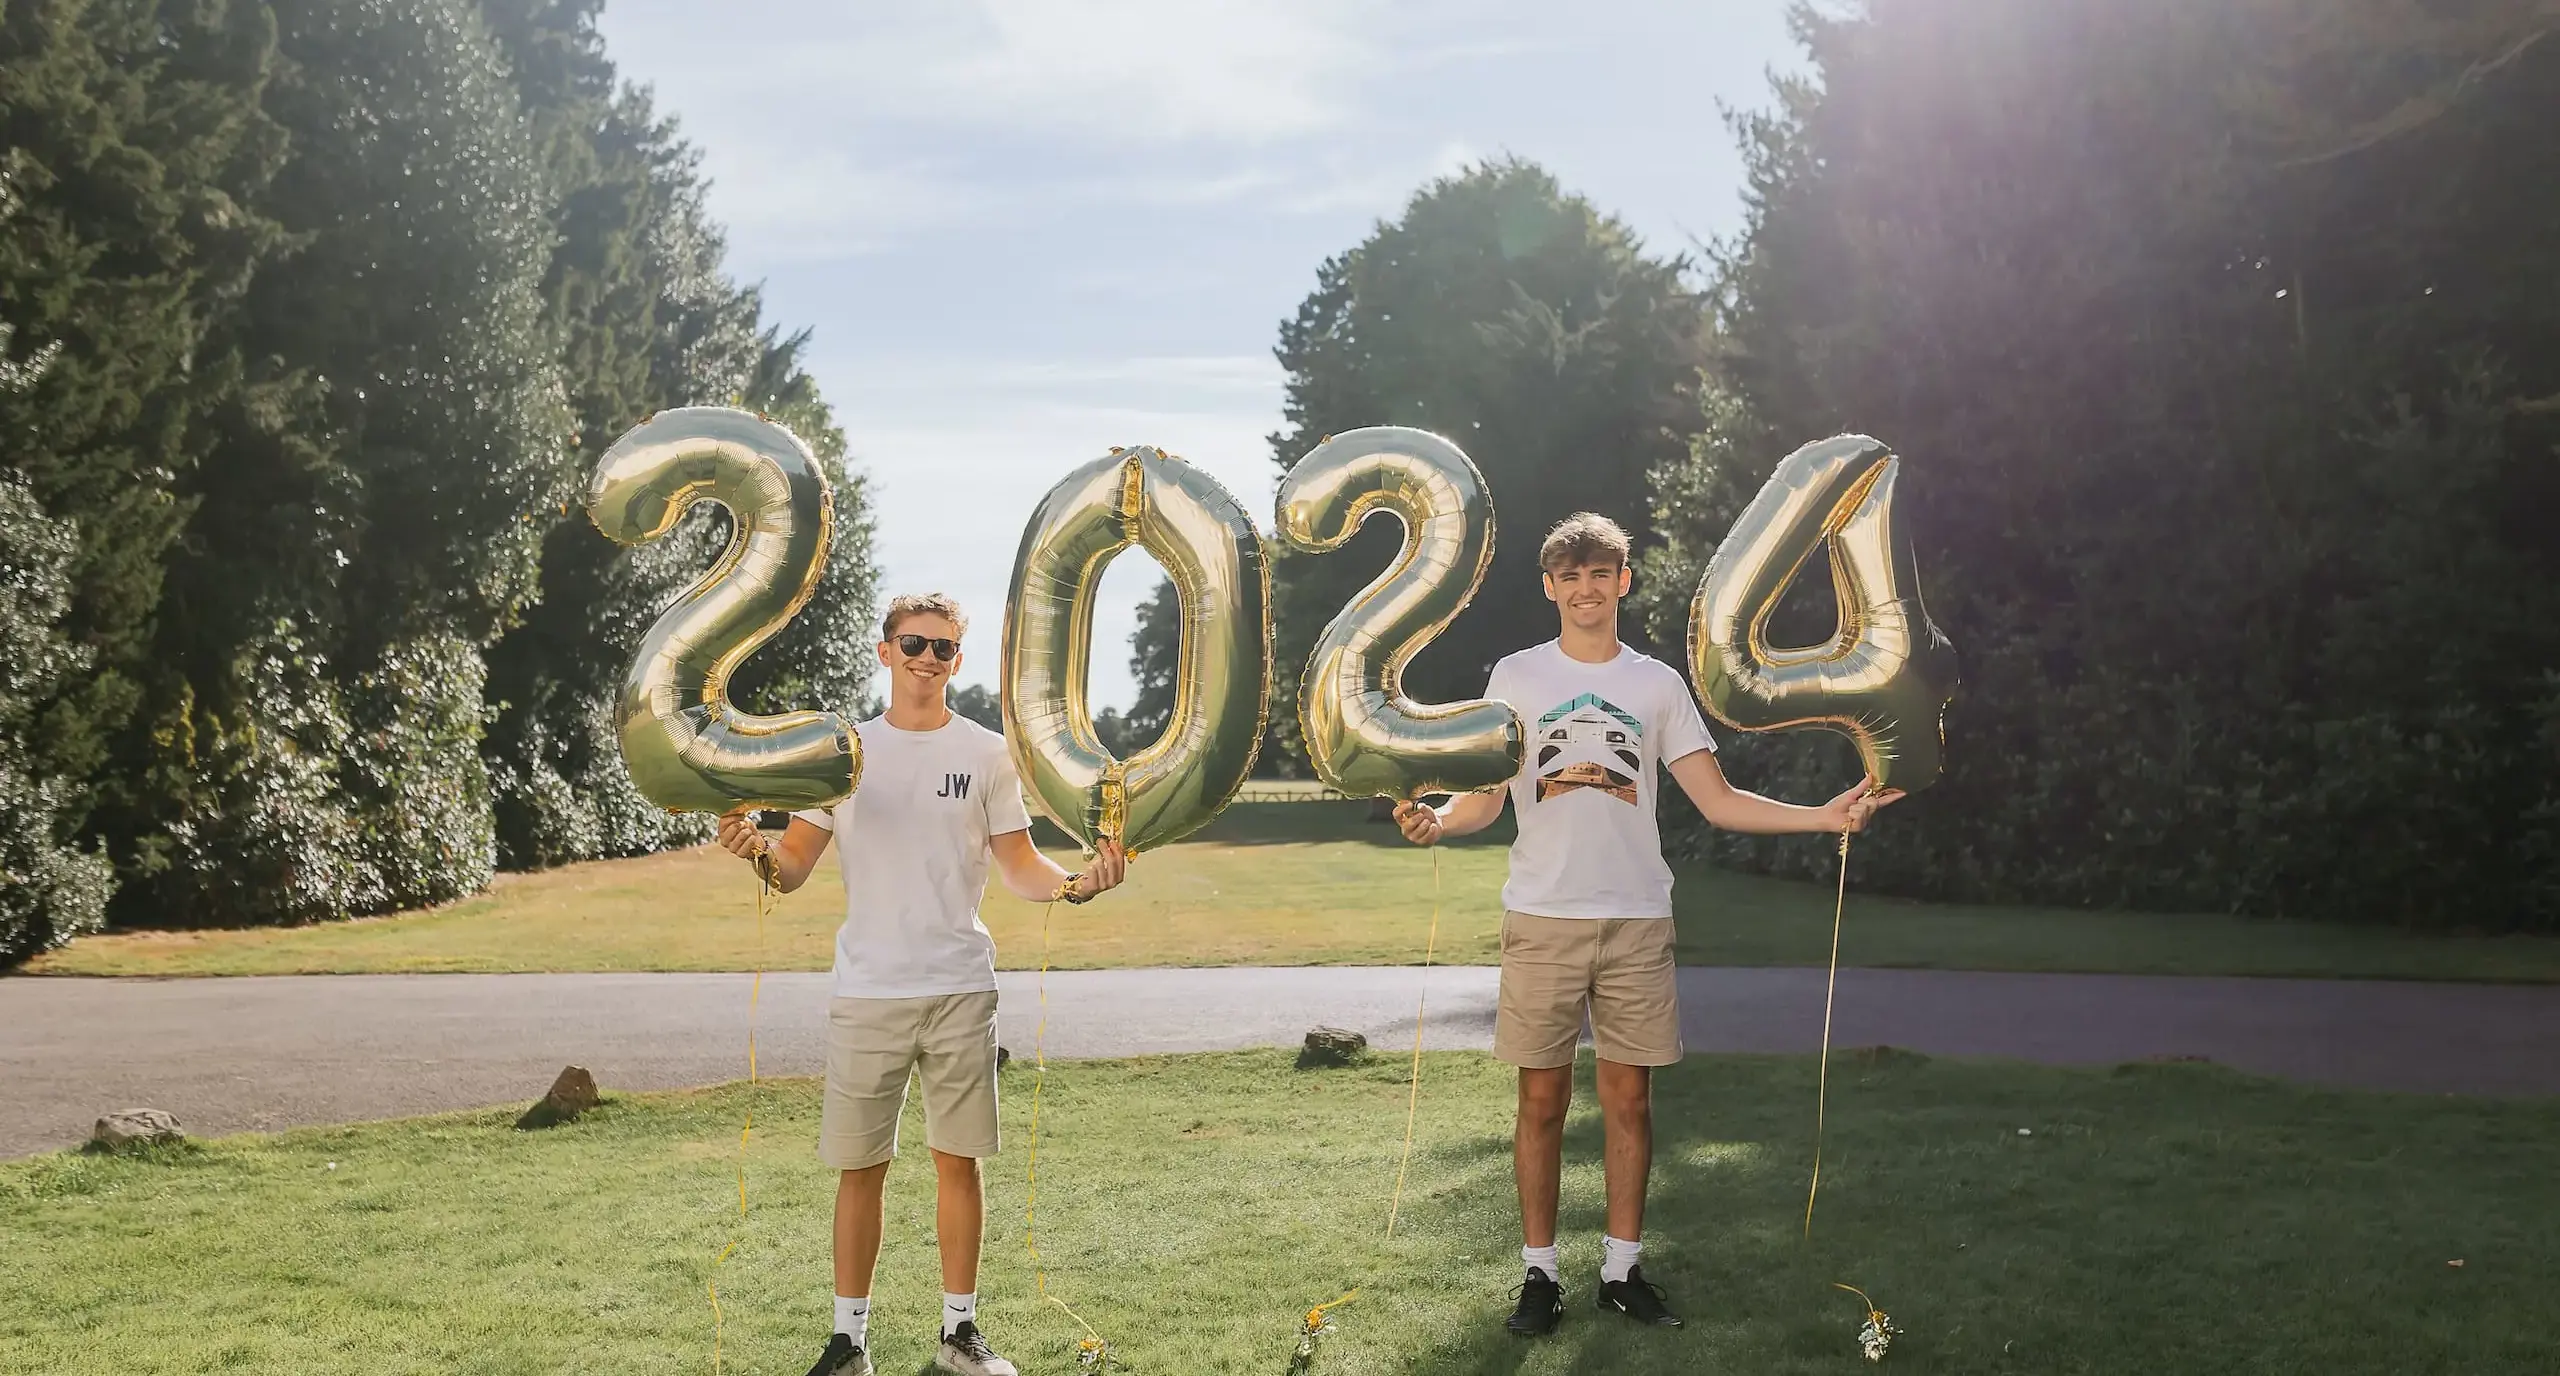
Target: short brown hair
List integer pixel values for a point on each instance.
(1583, 538)
(909, 604)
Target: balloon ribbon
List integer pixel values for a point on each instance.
(755, 993)
(1413, 1088)
(1822, 1081)
(1880, 1330)
(1092, 1353)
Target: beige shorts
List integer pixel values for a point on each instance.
(948, 1042)
(1619, 969)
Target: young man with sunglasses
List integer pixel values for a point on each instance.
(1586, 927)
(915, 977)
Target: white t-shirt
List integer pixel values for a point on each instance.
(912, 841)
(1596, 737)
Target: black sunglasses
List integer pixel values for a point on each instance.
(913, 645)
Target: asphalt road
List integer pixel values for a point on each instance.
(257, 1054)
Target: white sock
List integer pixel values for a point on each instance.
(1543, 1258)
(853, 1318)
(957, 1310)
(1617, 1258)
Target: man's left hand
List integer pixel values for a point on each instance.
(1851, 810)
(1110, 866)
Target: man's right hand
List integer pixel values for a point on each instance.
(739, 836)
(1420, 825)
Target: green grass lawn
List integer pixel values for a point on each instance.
(1272, 884)
(2158, 1218)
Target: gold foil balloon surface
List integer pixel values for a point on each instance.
(1885, 676)
(687, 748)
(1363, 735)
(1209, 548)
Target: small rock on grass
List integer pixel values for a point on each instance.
(1329, 1046)
(135, 1127)
(571, 1094)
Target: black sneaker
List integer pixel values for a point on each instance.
(1541, 1306)
(1638, 1299)
(842, 1358)
(965, 1351)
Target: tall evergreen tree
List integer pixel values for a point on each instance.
(49, 891)
(2227, 426)
(373, 511)
(1527, 326)
(647, 319)
(135, 150)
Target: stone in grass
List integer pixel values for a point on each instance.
(1328, 1046)
(134, 1128)
(1004, 1057)
(572, 1094)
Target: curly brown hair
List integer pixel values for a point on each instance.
(909, 604)
(1584, 538)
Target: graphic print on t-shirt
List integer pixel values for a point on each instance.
(1582, 744)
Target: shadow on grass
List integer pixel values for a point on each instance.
(2157, 1217)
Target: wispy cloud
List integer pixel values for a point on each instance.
(817, 202)
(1117, 71)
(1375, 189)
(1144, 70)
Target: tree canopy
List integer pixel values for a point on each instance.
(2209, 334)
(1524, 324)
(314, 314)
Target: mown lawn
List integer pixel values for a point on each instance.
(2150, 1219)
(1273, 884)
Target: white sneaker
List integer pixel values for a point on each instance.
(965, 1350)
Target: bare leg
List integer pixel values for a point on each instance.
(1626, 1110)
(959, 1220)
(858, 1228)
(1537, 1149)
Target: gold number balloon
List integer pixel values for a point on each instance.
(1363, 735)
(687, 748)
(1209, 548)
(1885, 676)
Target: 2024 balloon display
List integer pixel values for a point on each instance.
(1883, 678)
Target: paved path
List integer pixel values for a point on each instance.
(231, 1055)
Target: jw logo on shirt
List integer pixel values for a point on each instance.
(954, 786)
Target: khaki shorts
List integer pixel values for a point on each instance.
(947, 1040)
(1620, 969)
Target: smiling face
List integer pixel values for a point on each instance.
(921, 676)
(1587, 594)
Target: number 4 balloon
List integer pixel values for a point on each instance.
(1885, 676)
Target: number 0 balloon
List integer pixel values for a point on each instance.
(687, 748)
(1210, 550)
(1885, 676)
(1363, 735)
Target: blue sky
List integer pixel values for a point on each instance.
(1028, 230)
